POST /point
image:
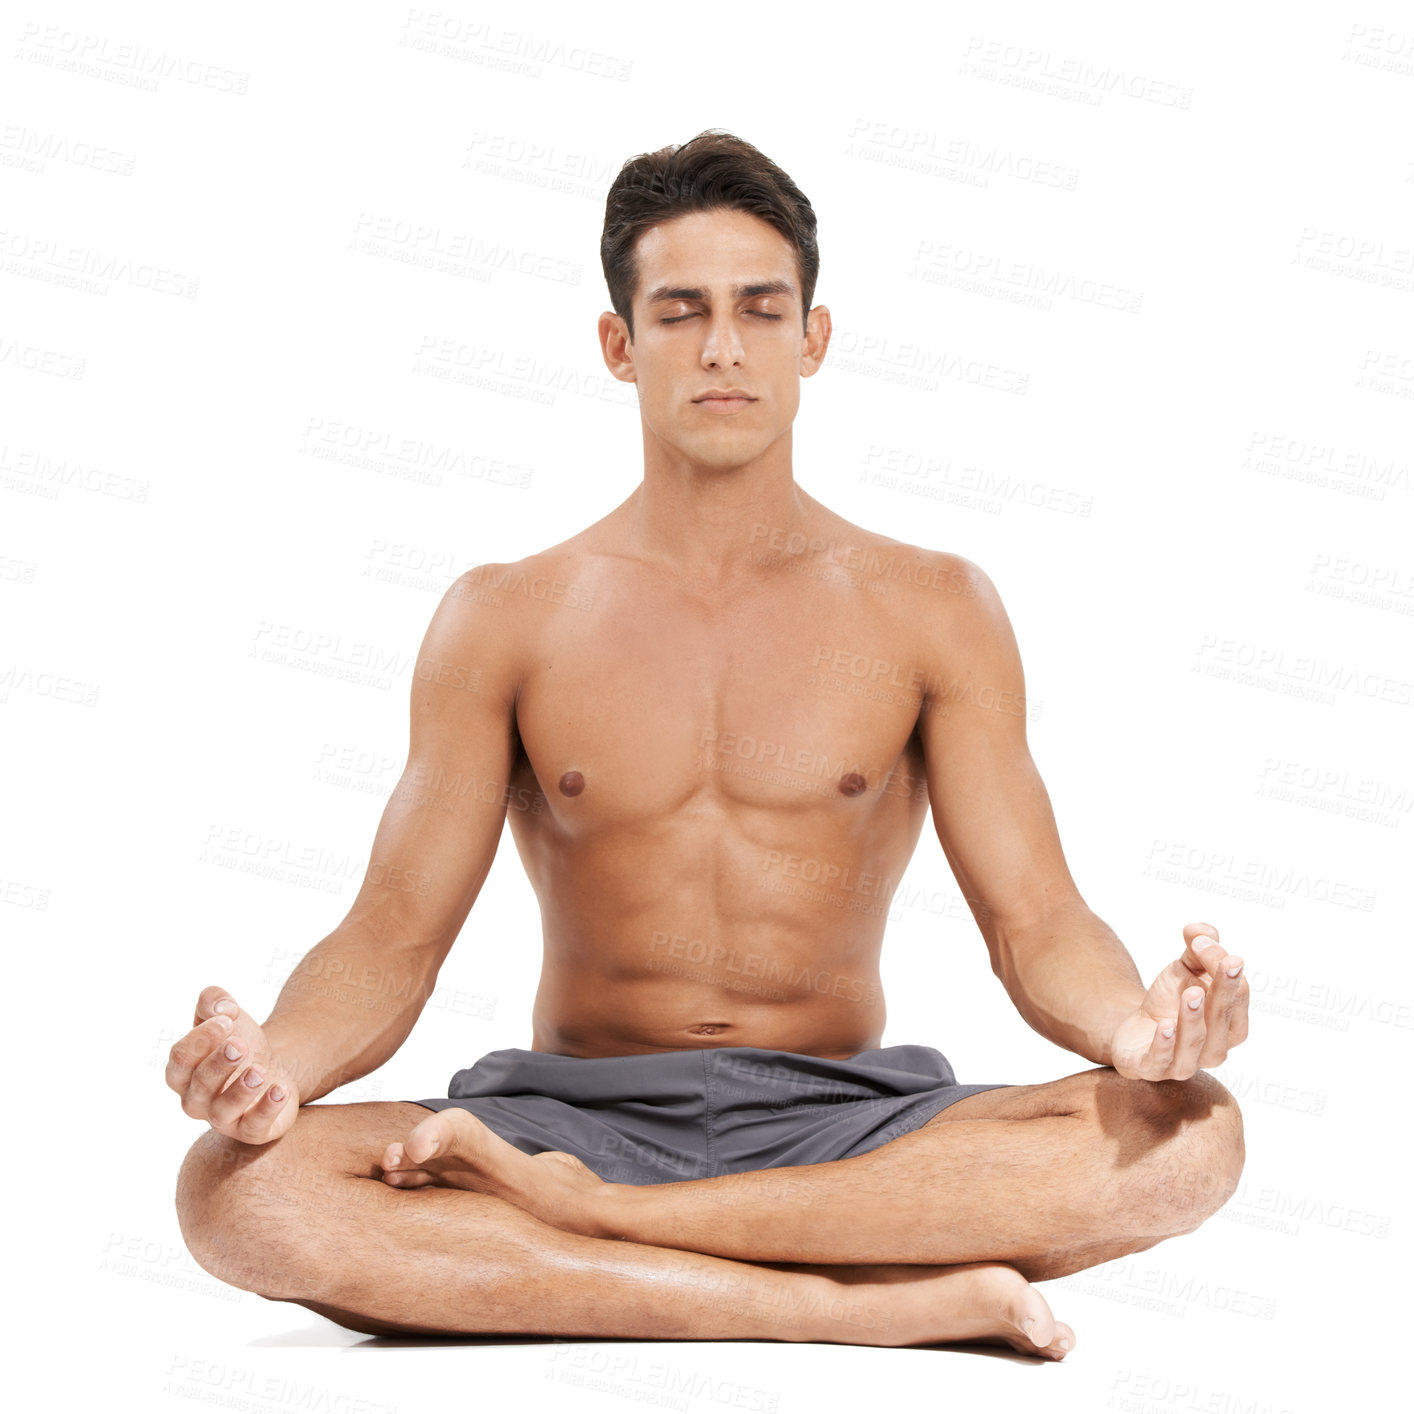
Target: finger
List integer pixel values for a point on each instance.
(1237, 1023)
(1158, 1059)
(191, 1052)
(400, 1172)
(211, 1078)
(229, 1108)
(1221, 1009)
(268, 1118)
(215, 1001)
(1191, 1033)
(1202, 952)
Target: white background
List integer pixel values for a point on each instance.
(222, 320)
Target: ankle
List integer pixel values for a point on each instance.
(611, 1211)
(841, 1313)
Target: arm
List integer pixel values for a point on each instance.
(1066, 972)
(353, 999)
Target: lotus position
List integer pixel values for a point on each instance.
(716, 720)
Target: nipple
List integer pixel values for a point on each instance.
(852, 784)
(571, 783)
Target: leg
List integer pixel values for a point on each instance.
(1050, 1178)
(307, 1219)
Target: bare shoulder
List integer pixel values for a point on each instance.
(517, 590)
(914, 579)
(553, 578)
(493, 614)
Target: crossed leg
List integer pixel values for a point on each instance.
(308, 1219)
(1048, 1178)
(1029, 1182)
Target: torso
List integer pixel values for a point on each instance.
(716, 792)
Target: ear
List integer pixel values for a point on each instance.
(816, 341)
(617, 347)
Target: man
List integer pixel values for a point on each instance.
(705, 1142)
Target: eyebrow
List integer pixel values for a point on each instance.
(664, 293)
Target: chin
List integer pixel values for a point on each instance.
(718, 460)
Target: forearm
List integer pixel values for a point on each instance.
(346, 1008)
(1072, 979)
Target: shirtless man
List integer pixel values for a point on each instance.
(608, 718)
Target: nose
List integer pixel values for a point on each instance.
(721, 348)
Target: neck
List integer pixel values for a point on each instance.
(710, 522)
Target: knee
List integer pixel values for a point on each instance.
(231, 1216)
(1189, 1134)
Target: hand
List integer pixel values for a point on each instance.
(1190, 1018)
(245, 1096)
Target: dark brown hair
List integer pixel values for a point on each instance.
(713, 171)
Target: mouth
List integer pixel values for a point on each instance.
(724, 402)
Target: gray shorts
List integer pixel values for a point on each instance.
(674, 1115)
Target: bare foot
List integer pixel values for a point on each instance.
(987, 1303)
(982, 1303)
(454, 1149)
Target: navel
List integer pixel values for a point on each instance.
(853, 784)
(571, 783)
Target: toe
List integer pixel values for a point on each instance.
(426, 1139)
(1033, 1318)
(409, 1178)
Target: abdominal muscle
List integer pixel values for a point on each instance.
(763, 984)
(691, 925)
(651, 1017)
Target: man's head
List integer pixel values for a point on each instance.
(714, 171)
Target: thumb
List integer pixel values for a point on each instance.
(215, 1001)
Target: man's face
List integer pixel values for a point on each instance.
(717, 311)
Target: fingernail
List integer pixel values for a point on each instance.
(254, 1079)
(1194, 1003)
(233, 1052)
(1064, 1342)
(276, 1094)
(226, 1022)
(1028, 1325)
(1167, 1032)
(226, 1005)
(1233, 971)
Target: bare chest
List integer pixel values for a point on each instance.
(650, 710)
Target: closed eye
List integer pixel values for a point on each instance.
(678, 318)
